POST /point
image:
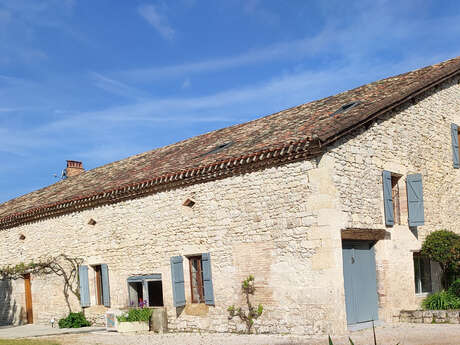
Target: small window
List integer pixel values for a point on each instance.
(345, 107)
(145, 291)
(395, 196)
(196, 279)
(422, 274)
(218, 148)
(98, 281)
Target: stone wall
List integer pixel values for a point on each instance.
(414, 138)
(278, 224)
(281, 224)
(430, 316)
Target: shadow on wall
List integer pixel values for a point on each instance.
(8, 306)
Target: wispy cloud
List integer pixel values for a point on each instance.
(271, 52)
(159, 21)
(333, 42)
(116, 87)
(9, 110)
(186, 83)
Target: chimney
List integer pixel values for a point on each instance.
(74, 168)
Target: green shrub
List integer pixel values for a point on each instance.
(443, 247)
(133, 315)
(441, 301)
(74, 320)
(454, 288)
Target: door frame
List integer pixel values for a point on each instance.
(28, 297)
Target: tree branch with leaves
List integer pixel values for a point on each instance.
(252, 312)
(62, 266)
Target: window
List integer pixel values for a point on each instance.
(391, 198)
(200, 279)
(455, 133)
(99, 293)
(458, 140)
(196, 279)
(145, 290)
(395, 196)
(422, 274)
(98, 282)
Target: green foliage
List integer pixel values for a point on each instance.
(441, 301)
(443, 247)
(454, 288)
(136, 314)
(74, 320)
(253, 313)
(17, 271)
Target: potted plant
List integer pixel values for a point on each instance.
(135, 320)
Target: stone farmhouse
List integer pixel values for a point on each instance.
(326, 204)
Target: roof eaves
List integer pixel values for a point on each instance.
(287, 152)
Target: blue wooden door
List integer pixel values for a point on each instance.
(360, 281)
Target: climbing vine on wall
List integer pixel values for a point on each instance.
(62, 265)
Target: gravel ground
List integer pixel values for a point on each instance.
(404, 334)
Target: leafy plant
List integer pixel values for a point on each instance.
(253, 313)
(454, 288)
(61, 265)
(441, 301)
(74, 320)
(136, 314)
(443, 247)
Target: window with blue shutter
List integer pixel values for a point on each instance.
(388, 198)
(415, 200)
(105, 285)
(84, 286)
(455, 138)
(177, 276)
(207, 279)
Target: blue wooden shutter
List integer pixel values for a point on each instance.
(207, 279)
(105, 285)
(415, 200)
(388, 198)
(177, 275)
(84, 286)
(454, 133)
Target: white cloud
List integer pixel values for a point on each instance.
(160, 22)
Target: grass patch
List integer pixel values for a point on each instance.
(27, 342)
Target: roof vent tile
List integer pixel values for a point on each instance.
(345, 108)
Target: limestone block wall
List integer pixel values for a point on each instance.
(280, 224)
(430, 316)
(415, 138)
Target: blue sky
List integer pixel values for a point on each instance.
(99, 81)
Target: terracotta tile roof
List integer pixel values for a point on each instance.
(306, 126)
